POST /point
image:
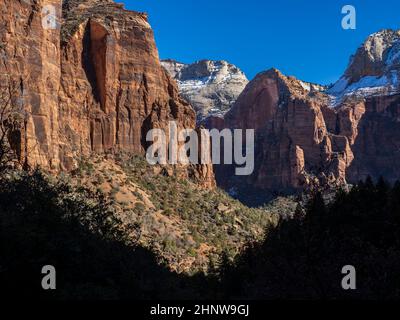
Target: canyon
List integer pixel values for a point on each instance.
(312, 137)
(93, 84)
(109, 160)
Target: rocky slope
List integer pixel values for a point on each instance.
(373, 70)
(92, 84)
(308, 136)
(377, 54)
(210, 86)
(187, 227)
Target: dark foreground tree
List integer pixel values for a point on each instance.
(44, 222)
(303, 258)
(50, 223)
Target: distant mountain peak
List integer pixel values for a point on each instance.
(373, 69)
(211, 86)
(292, 85)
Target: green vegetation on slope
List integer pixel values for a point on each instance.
(46, 221)
(189, 227)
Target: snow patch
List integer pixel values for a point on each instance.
(338, 87)
(368, 82)
(365, 87)
(305, 86)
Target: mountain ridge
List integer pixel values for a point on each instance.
(373, 70)
(327, 137)
(211, 86)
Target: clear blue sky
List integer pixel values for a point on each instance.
(303, 38)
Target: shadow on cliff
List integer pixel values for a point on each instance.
(377, 147)
(90, 61)
(243, 189)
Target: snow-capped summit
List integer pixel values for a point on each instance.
(373, 70)
(210, 86)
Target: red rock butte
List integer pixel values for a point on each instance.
(306, 141)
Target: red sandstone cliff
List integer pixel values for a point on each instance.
(294, 146)
(307, 135)
(92, 84)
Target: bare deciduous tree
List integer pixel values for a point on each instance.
(11, 123)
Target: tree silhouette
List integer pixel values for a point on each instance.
(76, 231)
(44, 222)
(11, 123)
(303, 258)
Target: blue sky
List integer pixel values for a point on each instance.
(299, 37)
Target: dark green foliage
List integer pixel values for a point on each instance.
(197, 212)
(46, 223)
(303, 257)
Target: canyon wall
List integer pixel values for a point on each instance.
(312, 136)
(294, 146)
(94, 83)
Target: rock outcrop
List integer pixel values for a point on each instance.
(310, 136)
(294, 147)
(211, 87)
(91, 83)
(374, 70)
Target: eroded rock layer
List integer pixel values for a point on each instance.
(92, 83)
(304, 140)
(311, 136)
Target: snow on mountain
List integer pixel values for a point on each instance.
(373, 70)
(210, 86)
(366, 86)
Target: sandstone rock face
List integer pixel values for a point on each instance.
(375, 139)
(366, 100)
(294, 146)
(210, 86)
(308, 136)
(92, 84)
(30, 57)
